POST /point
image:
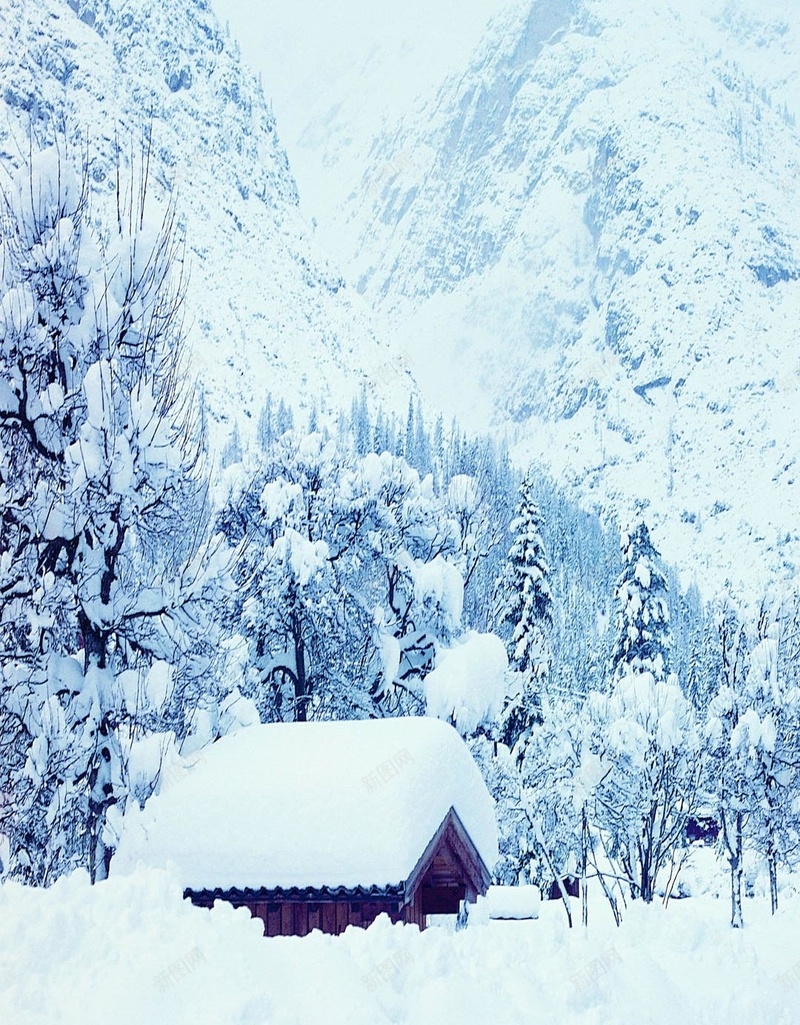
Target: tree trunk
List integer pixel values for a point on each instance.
(648, 852)
(95, 643)
(101, 797)
(646, 882)
(300, 680)
(735, 859)
(772, 861)
(584, 858)
(546, 854)
(612, 900)
(627, 864)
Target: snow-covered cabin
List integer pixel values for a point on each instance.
(322, 825)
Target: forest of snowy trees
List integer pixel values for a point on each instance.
(349, 564)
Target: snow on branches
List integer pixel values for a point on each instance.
(642, 640)
(98, 452)
(524, 607)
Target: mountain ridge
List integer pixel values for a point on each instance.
(267, 310)
(592, 224)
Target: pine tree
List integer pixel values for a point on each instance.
(284, 419)
(265, 431)
(232, 452)
(409, 446)
(643, 640)
(361, 426)
(524, 606)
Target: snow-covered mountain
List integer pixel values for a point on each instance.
(584, 238)
(265, 309)
(588, 238)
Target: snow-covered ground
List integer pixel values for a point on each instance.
(130, 951)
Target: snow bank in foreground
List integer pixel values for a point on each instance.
(130, 951)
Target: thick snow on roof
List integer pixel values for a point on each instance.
(313, 804)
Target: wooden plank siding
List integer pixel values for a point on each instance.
(273, 919)
(413, 910)
(300, 918)
(329, 917)
(259, 910)
(342, 915)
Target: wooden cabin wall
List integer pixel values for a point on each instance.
(413, 910)
(298, 918)
(329, 918)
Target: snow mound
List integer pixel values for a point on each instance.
(506, 902)
(129, 950)
(312, 804)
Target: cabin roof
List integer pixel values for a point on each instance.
(314, 806)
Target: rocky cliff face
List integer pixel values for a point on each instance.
(589, 239)
(265, 310)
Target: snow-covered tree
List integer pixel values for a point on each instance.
(777, 749)
(728, 781)
(645, 736)
(546, 811)
(300, 620)
(642, 641)
(752, 739)
(523, 605)
(416, 579)
(351, 581)
(704, 670)
(232, 452)
(99, 452)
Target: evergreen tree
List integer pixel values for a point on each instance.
(232, 452)
(361, 426)
(284, 419)
(422, 445)
(704, 672)
(265, 431)
(381, 442)
(524, 607)
(409, 445)
(438, 445)
(643, 639)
